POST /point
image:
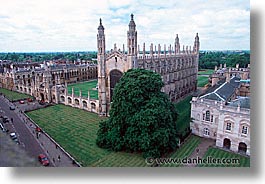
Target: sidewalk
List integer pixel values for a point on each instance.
(57, 156)
(201, 149)
(53, 150)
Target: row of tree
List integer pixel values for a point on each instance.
(208, 60)
(46, 56)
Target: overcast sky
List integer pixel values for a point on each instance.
(71, 25)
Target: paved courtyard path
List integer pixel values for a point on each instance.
(201, 149)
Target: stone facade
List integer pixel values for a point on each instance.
(48, 83)
(178, 68)
(222, 114)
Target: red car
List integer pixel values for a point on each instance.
(43, 160)
(38, 129)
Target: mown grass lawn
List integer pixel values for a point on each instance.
(183, 120)
(221, 154)
(205, 72)
(84, 87)
(76, 131)
(13, 95)
(185, 150)
(202, 81)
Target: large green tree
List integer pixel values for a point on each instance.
(142, 119)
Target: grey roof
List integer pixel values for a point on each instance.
(244, 102)
(222, 91)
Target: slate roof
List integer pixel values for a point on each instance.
(244, 102)
(222, 91)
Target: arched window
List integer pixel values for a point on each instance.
(93, 106)
(62, 98)
(84, 104)
(69, 100)
(206, 132)
(207, 116)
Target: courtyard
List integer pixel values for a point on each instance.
(203, 77)
(84, 87)
(76, 131)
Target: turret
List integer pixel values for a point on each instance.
(101, 38)
(132, 38)
(196, 44)
(101, 70)
(177, 45)
(132, 44)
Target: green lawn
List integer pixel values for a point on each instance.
(220, 154)
(202, 81)
(183, 109)
(185, 150)
(12, 95)
(84, 87)
(76, 131)
(205, 72)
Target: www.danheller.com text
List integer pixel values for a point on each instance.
(196, 160)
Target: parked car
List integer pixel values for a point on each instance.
(30, 100)
(43, 160)
(38, 129)
(3, 128)
(12, 107)
(21, 101)
(13, 136)
(5, 119)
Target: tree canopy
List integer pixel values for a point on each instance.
(208, 60)
(142, 119)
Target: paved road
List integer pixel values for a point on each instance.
(26, 130)
(25, 137)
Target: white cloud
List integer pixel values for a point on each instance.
(48, 25)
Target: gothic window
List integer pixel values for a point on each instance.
(207, 116)
(245, 130)
(228, 126)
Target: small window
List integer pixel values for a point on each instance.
(203, 116)
(206, 132)
(245, 130)
(211, 118)
(228, 126)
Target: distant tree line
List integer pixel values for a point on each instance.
(45, 56)
(208, 60)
